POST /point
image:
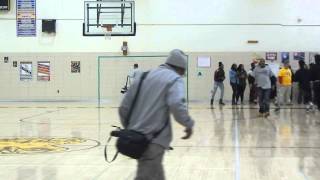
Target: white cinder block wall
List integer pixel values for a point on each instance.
(216, 28)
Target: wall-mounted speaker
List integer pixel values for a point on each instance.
(4, 5)
(49, 25)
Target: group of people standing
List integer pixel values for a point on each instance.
(265, 84)
(238, 81)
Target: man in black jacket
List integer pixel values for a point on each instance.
(303, 77)
(219, 77)
(315, 77)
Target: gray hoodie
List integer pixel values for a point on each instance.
(262, 76)
(161, 92)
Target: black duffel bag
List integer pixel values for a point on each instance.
(131, 143)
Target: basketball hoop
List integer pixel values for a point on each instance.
(107, 30)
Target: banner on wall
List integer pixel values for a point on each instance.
(271, 56)
(204, 61)
(26, 18)
(44, 71)
(285, 56)
(299, 56)
(311, 57)
(25, 71)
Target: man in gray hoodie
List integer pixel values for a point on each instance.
(262, 74)
(161, 93)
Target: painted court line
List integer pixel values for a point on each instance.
(237, 151)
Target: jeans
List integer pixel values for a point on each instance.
(240, 90)
(284, 95)
(316, 91)
(253, 93)
(150, 164)
(264, 100)
(217, 85)
(234, 92)
(304, 95)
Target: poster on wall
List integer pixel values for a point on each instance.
(272, 56)
(311, 57)
(285, 56)
(25, 71)
(204, 61)
(75, 66)
(299, 56)
(44, 71)
(26, 18)
(6, 59)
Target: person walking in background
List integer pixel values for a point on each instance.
(252, 85)
(275, 67)
(234, 82)
(292, 80)
(219, 77)
(262, 74)
(312, 65)
(303, 77)
(242, 82)
(161, 93)
(285, 83)
(130, 78)
(315, 77)
(133, 74)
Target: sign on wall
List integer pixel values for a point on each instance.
(43, 71)
(204, 61)
(25, 71)
(285, 56)
(75, 66)
(26, 18)
(6, 59)
(299, 56)
(311, 57)
(271, 56)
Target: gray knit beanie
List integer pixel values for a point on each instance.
(177, 58)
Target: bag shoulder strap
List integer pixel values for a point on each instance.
(144, 75)
(105, 152)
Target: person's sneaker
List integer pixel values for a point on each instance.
(221, 102)
(266, 114)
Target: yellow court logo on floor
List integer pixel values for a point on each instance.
(44, 145)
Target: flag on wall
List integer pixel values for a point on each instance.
(43, 71)
(25, 71)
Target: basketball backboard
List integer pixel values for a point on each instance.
(101, 14)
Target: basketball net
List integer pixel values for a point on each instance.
(107, 31)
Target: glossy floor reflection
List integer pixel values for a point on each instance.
(228, 143)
